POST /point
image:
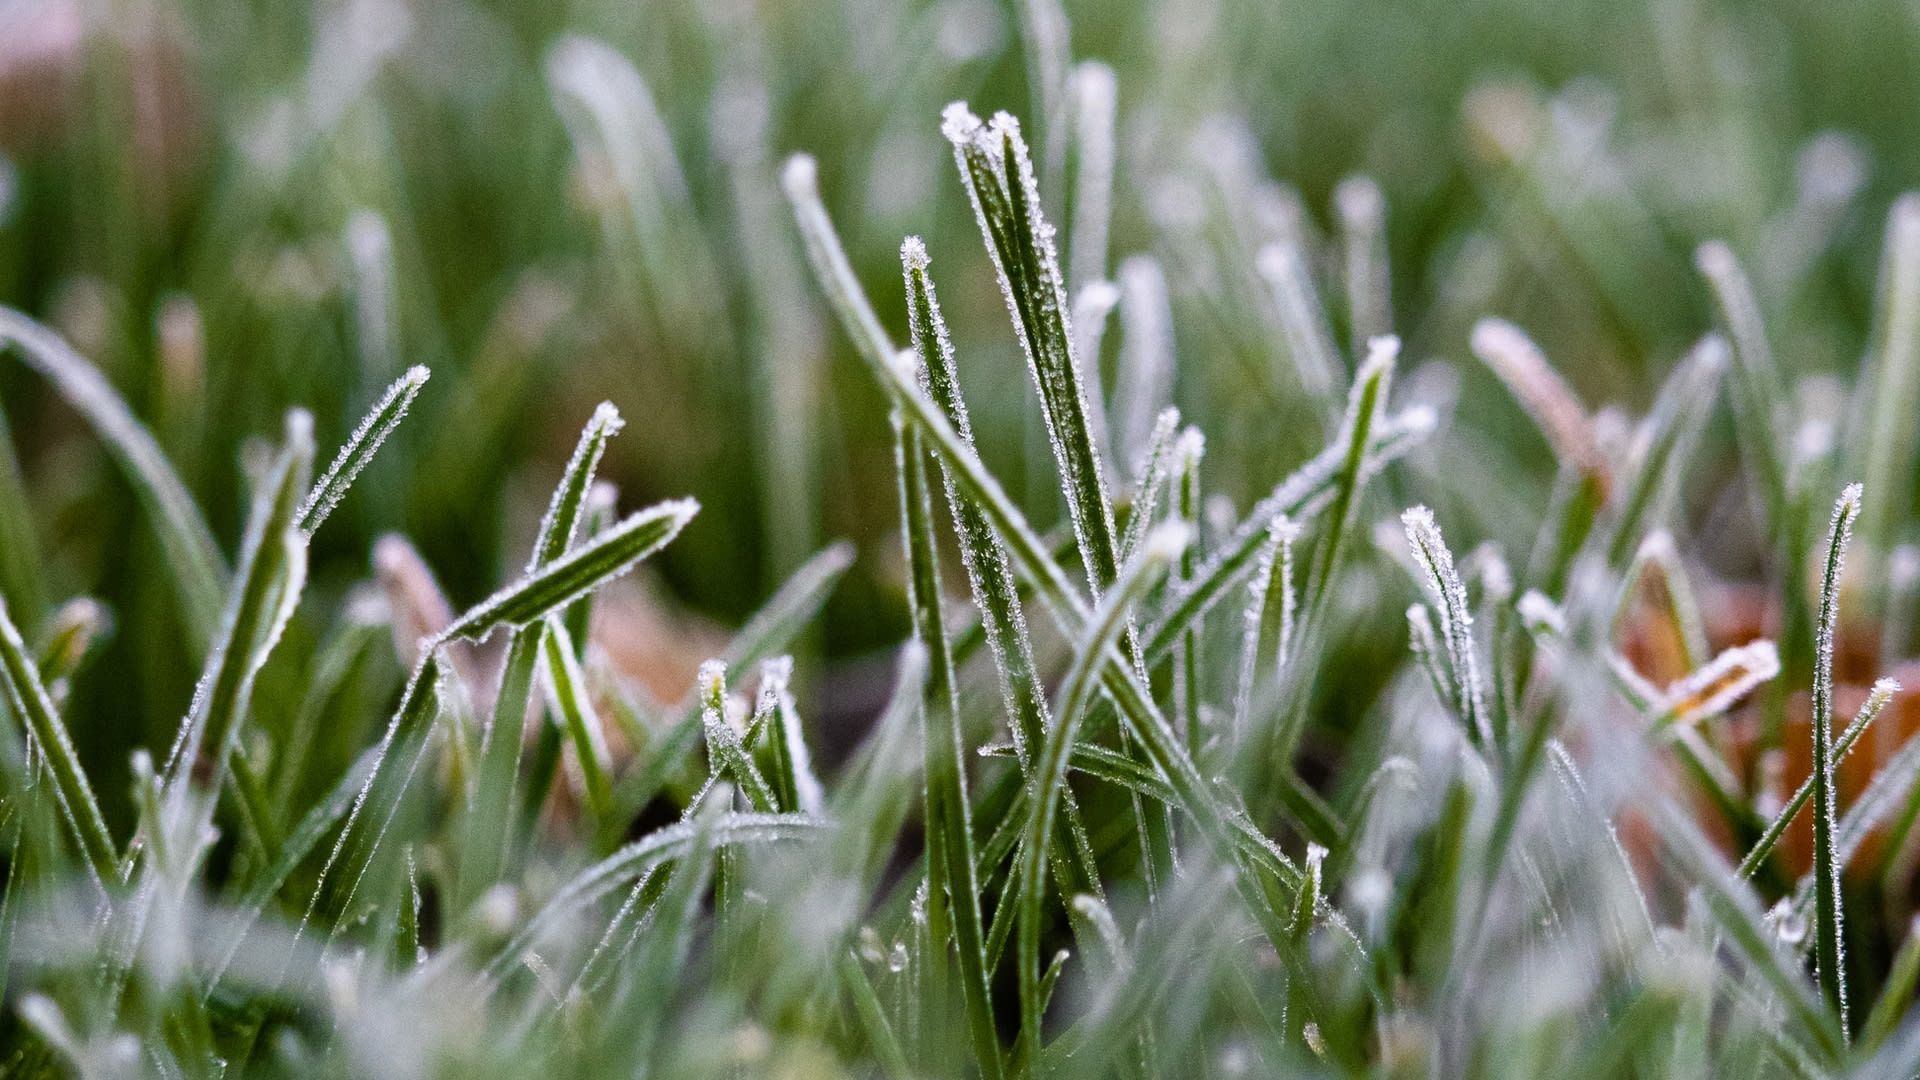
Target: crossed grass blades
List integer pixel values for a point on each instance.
(1139, 881)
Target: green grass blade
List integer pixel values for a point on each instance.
(1155, 466)
(566, 508)
(768, 631)
(998, 173)
(1267, 622)
(361, 627)
(359, 449)
(569, 700)
(396, 758)
(496, 795)
(1663, 447)
(884, 1044)
(1365, 403)
(32, 703)
(989, 573)
(800, 790)
(1301, 497)
(1877, 700)
(1449, 596)
(1188, 452)
(586, 567)
(20, 566)
(199, 571)
(272, 575)
(1363, 242)
(1024, 547)
(1829, 946)
(723, 742)
(1050, 765)
(319, 820)
(1756, 382)
(1303, 321)
(949, 822)
(1895, 994)
(774, 627)
(607, 876)
(1882, 449)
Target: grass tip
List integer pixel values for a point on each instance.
(606, 417)
(1714, 258)
(1169, 538)
(1539, 612)
(958, 123)
(800, 178)
(913, 252)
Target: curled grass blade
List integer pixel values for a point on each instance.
(199, 571)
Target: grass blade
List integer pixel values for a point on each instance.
(1895, 994)
(592, 564)
(1829, 946)
(199, 571)
(989, 573)
(799, 791)
(1187, 452)
(1449, 596)
(1363, 235)
(395, 760)
(998, 174)
(1316, 359)
(359, 449)
(1301, 497)
(1664, 443)
(569, 700)
(1145, 382)
(1882, 453)
(32, 703)
(1050, 765)
(1756, 382)
(605, 877)
(272, 574)
(1024, 547)
(1877, 700)
(949, 821)
(723, 741)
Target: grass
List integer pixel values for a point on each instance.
(1346, 707)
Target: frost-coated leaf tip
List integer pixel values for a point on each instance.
(800, 176)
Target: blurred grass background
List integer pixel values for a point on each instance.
(235, 208)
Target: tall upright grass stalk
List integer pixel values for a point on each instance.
(1829, 943)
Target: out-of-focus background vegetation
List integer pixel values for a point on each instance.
(234, 208)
